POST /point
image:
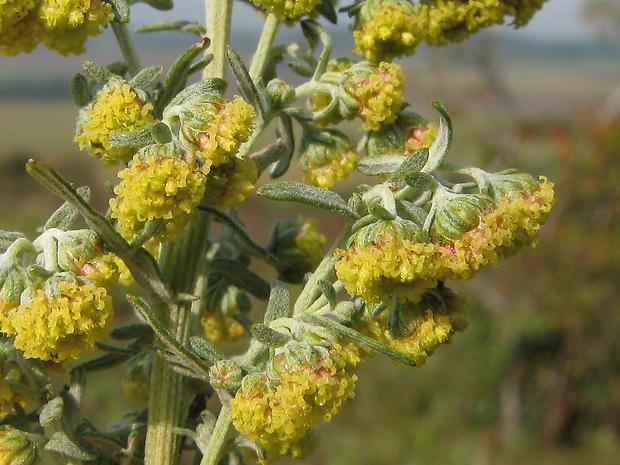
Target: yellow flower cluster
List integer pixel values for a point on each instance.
(423, 326)
(230, 183)
(287, 9)
(62, 25)
(386, 29)
(310, 242)
(280, 415)
(391, 265)
(379, 95)
(155, 187)
(217, 129)
(326, 174)
(60, 321)
(116, 107)
(421, 138)
(389, 32)
(218, 327)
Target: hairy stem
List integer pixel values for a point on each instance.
(128, 50)
(218, 30)
(213, 453)
(270, 30)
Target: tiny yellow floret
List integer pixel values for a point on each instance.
(287, 9)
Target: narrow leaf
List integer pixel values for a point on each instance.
(238, 275)
(64, 217)
(246, 86)
(162, 5)
(73, 446)
(161, 133)
(268, 336)
(443, 140)
(120, 8)
(279, 305)
(303, 193)
(327, 289)
(285, 131)
(361, 339)
(327, 10)
(138, 138)
(80, 90)
(376, 166)
(96, 72)
(205, 349)
(412, 164)
(135, 331)
(146, 78)
(8, 237)
(321, 33)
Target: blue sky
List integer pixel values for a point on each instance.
(558, 20)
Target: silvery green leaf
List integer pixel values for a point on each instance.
(120, 8)
(443, 140)
(199, 90)
(80, 90)
(314, 32)
(96, 72)
(161, 133)
(268, 336)
(376, 166)
(239, 275)
(327, 289)
(51, 412)
(134, 331)
(285, 132)
(204, 349)
(303, 193)
(138, 138)
(8, 237)
(64, 217)
(412, 164)
(245, 84)
(279, 305)
(146, 78)
(72, 446)
(419, 180)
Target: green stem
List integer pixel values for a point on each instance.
(218, 29)
(180, 263)
(121, 32)
(270, 29)
(311, 290)
(215, 447)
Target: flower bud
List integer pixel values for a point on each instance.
(116, 107)
(456, 214)
(13, 281)
(407, 134)
(225, 375)
(386, 29)
(279, 94)
(15, 447)
(298, 245)
(160, 184)
(214, 128)
(61, 317)
(325, 156)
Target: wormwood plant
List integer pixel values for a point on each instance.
(187, 156)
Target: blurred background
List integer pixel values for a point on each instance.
(535, 378)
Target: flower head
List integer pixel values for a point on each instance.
(160, 184)
(214, 128)
(308, 386)
(19, 29)
(230, 183)
(325, 156)
(68, 23)
(377, 91)
(116, 107)
(287, 9)
(15, 447)
(408, 133)
(386, 29)
(60, 318)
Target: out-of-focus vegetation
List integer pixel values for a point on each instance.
(535, 379)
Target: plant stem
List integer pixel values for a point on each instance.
(213, 453)
(127, 48)
(259, 60)
(180, 263)
(218, 29)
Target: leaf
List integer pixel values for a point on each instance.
(80, 90)
(285, 131)
(327, 289)
(237, 274)
(361, 339)
(419, 180)
(310, 26)
(326, 9)
(412, 164)
(440, 146)
(310, 195)
(64, 217)
(120, 8)
(134, 331)
(138, 138)
(376, 166)
(8, 237)
(205, 349)
(161, 133)
(162, 5)
(245, 84)
(146, 78)
(268, 336)
(197, 91)
(72, 446)
(96, 72)
(279, 305)
(51, 412)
